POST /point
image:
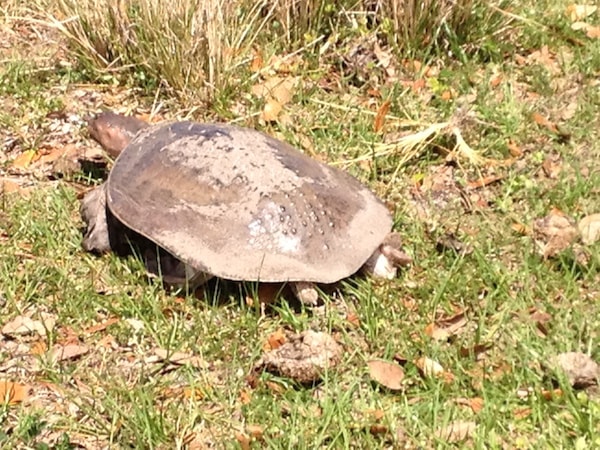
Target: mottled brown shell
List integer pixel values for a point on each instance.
(241, 205)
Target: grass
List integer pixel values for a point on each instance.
(121, 394)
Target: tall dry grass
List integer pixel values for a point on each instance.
(195, 48)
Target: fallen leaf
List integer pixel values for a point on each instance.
(191, 393)
(26, 325)
(257, 60)
(255, 431)
(592, 32)
(577, 12)
(443, 328)
(8, 185)
(39, 348)
(377, 414)
(353, 319)
(581, 370)
(380, 117)
(522, 413)
(475, 403)
(275, 340)
(180, 358)
(12, 393)
(275, 387)
(554, 233)
(514, 149)
(24, 160)
(484, 181)
(243, 440)
(456, 431)
(67, 352)
(280, 89)
(544, 122)
(386, 373)
(474, 351)
(431, 368)
(589, 228)
(521, 228)
(102, 326)
(552, 395)
(552, 166)
(245, 396)
(271, 110)
(377, 429)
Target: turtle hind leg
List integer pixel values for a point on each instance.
(389, 256)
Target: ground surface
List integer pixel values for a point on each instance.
(95, 355)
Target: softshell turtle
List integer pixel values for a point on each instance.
(221, 200)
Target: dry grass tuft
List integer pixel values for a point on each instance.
(194, 48)
(189, 47)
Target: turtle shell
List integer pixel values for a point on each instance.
(241, 205)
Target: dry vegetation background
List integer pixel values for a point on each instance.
(477, 123)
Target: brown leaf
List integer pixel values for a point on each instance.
(12, 393)
(377, 429)
(245, 396)
(521, 228)
(24, 160)
(380, 117)
(26, 325)
(552, 166)
(476, 404)
(39, 348)
(484, 181)
(377, 414)
(552, 395)
(69, 351)
(353, 319)
(271, 110)
(576, 12)
(191, 393)
(275, 387)
(443, 328)
(589, 228)
(522, 413)
(474, 351)
(255, 431)
(456, 431)
(102, 326)
(592, 32)
(257, 61)
(275, 340)
(386, 373)
(243, 440)
(544, 122)
(554, 233)
(180, 358)
(514, 149)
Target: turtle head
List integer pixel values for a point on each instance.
(114, 131)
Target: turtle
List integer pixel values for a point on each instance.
(204, 200)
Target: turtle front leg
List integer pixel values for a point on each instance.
(93, 213)
(384, 261)
(306, 292)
